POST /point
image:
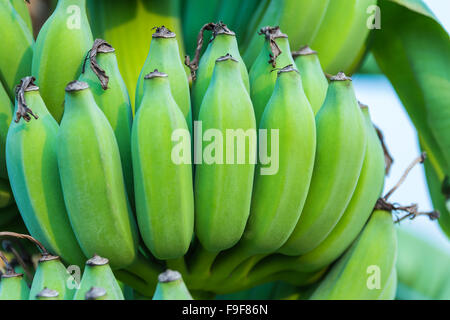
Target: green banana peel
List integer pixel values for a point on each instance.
(413, 54)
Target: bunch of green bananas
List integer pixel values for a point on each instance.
(268, 175)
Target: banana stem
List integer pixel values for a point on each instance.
(135, 282)
(227, 262)
(178, 265)
(199, 266)
(145, 269)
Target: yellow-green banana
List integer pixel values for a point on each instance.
(223, 41)
(275, 53)
(98, 273)
(111, 95)
(6, 115)
(366, 270)
(299, 19)
(171, 287)
(368, 189)
(92, 180)
(51, 274)
(61, 46)
(338, 49)
(314, 81)
(34, 175)
(116, 21)
(22, 9)
(6, 196)
(279, 192)
(164, 55)
(162, 171)
(224, 180)
(341, 145)
(13, 286)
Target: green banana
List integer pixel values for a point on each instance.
(6, 196)
(314, 81)
(98, 273)
(338, 50)
(22, 9)
(243, 15)
(164, 191)
(171, 287)
(276, 52)
(47, 294)
(34, 176)
(6, 115)
(8, 215)
(164, 55)
(278, 197)
(16, 51)
(227, 12)
(341, 145)
(92, 180)
(299, 19)
(366, 270)
(61, 46)
(196, 13)
(223, 189)
(390, 288)
(368, 189)
(115, 21)
(111, 95)
(223, 41)
(13, 287)
(96, 293)
(51, 274)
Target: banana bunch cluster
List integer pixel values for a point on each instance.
(256, 172)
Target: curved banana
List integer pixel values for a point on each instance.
(22, 9)
(92, 180)
(13, 287)
(34, 175)
(366, 270)
(98, 273)
(275, 53)
(165, 56)
(314, 81)
(223, 41)
(163, 179)
(341, 144)
(171, 287)
(51, 274)
(61, 46)
(278, 197)
(6, 115)
(126, 24)
(299, 19)
(16, 51)
(111, 95)
(338, 49)
(223, 181)
(6, 196)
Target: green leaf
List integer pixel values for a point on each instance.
(412, 50)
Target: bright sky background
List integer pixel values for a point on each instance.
(388, 114)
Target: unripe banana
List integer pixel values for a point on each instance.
(223, 41)
(92, 180)
(60, 48)
(98, 273)
(368, 190)
(314, 81)
(171, 287)
(164, 55)
(164, 191)
(96, 293)
(13, 287)
(51, 274)
(278, 197)
(111, 95)
(243, 15)
(341, 144)
(6, 115)
(47, 294)
(16, 51)
(223, 189)
(275, 53)
(227, 12)
(366, 270)
(390, 289)
(22, 9)
(34, 175)
(6, 196)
